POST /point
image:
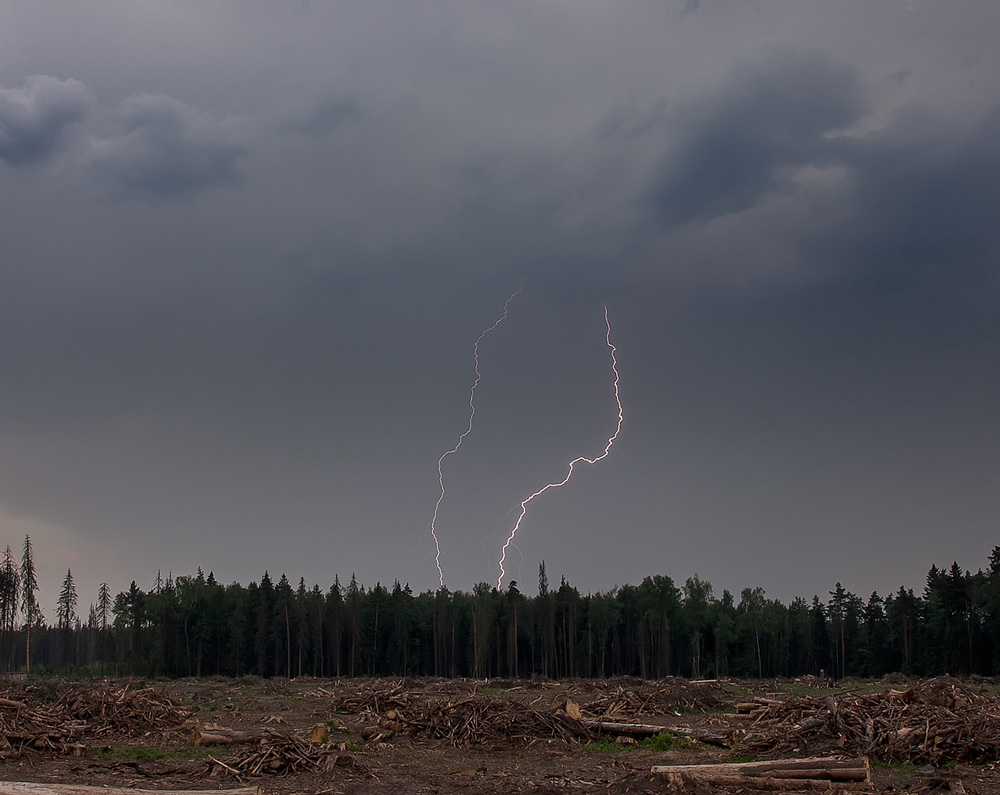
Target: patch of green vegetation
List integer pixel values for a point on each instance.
(901, 772)
(803, 689)
(658, 742)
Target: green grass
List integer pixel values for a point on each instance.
(658, 742)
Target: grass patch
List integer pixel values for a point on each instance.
(663, 741)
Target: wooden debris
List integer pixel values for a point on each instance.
(938, 721)
(58, 719)
(779, 774)
(724, 739)
(477, 721)
(282, 753)
(220, 735)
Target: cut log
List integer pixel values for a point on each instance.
(28, 788)
(766, 775)
(677, 781)
(650, 729)
(218, 735)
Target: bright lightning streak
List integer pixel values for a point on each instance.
(574, 462)
(458, 444)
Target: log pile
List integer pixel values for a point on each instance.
(821, 773)
(941, 720)
(59, 721)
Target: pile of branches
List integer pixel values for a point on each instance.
(476, 720)
(284, 753)
(58, 720)
(939, 721)
(666, 697)
(375, 697)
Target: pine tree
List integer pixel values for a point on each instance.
(10, 593)
(66, 615)
(29, 601)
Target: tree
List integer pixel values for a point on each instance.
(103, 614)
(697, 599)
(66, 615)
(751, 611)
(29, 601)
(10, 595)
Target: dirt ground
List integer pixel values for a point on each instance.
(423, 735)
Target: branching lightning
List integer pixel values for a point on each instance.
(468, 430)
(574, 462)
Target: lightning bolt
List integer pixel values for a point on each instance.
(458, 444)
(574, 462)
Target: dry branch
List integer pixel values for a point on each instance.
(937, 721)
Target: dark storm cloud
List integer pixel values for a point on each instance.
(34, 119)
(164, 148)
(920, 196)
(736, 146)
(323, 116)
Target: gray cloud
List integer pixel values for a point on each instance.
(920, 196)
(735, 146)
(805, 314)
(34, 119)
(323, 116)
(165, 148)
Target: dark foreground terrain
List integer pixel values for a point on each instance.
(498, 736)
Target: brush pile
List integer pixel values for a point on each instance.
(477, 720)
(58, 719)
(663, 697)
(285, 753)
(938, 721)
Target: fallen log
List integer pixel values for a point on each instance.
(218, 735)
(650, 730)
(29, 788)
(677, 781)
(795, 771)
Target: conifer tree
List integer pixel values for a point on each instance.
(66, 615)
(29, 601)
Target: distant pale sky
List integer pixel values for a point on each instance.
(246, 249)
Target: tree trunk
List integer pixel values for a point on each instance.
(649, 730)
(816, 772)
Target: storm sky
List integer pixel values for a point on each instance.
(246, 250)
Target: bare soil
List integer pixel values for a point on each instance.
(437, 736)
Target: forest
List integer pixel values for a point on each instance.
(193, 625)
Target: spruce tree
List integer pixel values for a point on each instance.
(29, 601)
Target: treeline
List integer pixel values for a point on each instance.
(195, 626)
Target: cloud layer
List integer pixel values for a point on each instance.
(240, 286)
